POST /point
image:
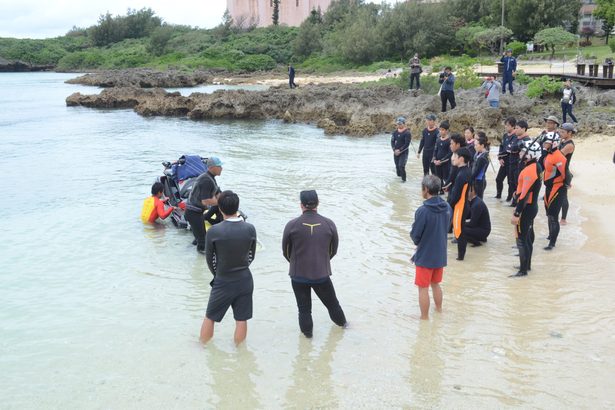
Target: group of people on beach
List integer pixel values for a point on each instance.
(457, 164)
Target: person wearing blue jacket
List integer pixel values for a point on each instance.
(510, 70)
(429, 230)
(447, 90)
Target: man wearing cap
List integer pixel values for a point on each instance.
(428, 143)
(309, 243)
(510, 70)
(447, 90)
(203, 195)
(567, 148)
(400, 142)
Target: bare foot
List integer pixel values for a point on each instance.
(439, 309)
(424, 317)
(563, 222)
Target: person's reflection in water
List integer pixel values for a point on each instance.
(232, 378)
(311, 384)
(426, 366)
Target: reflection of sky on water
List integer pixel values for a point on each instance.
(208, 89)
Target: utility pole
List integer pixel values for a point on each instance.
(502, 39)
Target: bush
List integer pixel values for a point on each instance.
(523, 78)
(257, 62)
(585, 43)
(543, 87)
(517, 47)
(612, 44)
(466, 78)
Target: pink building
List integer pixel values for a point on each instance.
(260, 12)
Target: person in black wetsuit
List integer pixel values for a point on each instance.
(477, 228)
(567, 132)
(230, 249)
(400, 142)
(428, 142)
(457, 141)
(457, 198)
(480, 163)
(503, 152)
(442, 153)
(515, 164)
(470, 135)
(202, 197)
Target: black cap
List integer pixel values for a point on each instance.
(309, 199)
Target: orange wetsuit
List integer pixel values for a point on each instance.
(153, 208)
(555, 172)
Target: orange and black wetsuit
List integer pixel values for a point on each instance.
(556, 192)
(565, 204)
(528, 189)
(153, 208)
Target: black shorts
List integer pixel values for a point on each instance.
(237, 294)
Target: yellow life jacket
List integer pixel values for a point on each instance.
(148, 207)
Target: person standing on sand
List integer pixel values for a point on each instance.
(400, 142)
(291, 76)
(309, 243)
(428, 232)
(415, 71)
(230, 249)
(556, 184)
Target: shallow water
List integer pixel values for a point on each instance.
(99, 311)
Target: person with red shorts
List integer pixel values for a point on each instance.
(429, 230)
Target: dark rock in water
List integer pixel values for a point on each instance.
(556, 335)
(337, 108)
(7, 66)
(143, 78)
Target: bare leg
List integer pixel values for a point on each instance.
(424, 303)
(207, 330)
(437, 296)
(241, 330)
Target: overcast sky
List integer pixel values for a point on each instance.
(52, 18)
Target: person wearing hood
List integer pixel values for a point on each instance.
(428, 232)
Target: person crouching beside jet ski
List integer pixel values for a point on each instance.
(153, 206)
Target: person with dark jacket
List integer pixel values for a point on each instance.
(203, 196)
(457, 141)
(429, 230)
(400, 142)
(447, 90)
(415, 71)
(477, 227)
(458, 197)
(510, 70)
(503, 158)
(291, 76)
(480, 163)
(230, 249)
(309, 243)
(442, 153)
(515, 164)
(428, 143)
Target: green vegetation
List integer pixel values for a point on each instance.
(555, 36)
(612, 45)
(523, 78)
(352, 34)
(542, 87)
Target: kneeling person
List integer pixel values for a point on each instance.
(478, 227)
(230, 247)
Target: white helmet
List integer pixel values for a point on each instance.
(553, 138)
(530, 150)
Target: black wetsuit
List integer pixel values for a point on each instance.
(443, 153)
(401, 141)
(205, 187)
(427, 146)
(477, 228)
(527, 209)
(565, 204)
(479, 172)
(464, 176)
(503, 154)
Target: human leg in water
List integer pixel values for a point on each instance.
(565, 206)
(303, 295)
(326, 294)
(553, 208)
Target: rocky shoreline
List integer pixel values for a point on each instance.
(143, 78)
(349, 109)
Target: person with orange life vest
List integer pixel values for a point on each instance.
(528, 189)
(458, 198)
(567, 148)
(556, 182)
(153, 206)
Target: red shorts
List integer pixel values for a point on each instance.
(426, 276)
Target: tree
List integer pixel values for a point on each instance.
(587, 32)
(492, 37)
(606, 12)
(309, 39)
(276, 12)
(556, 36)
(159, 38)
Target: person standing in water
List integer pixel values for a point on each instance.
(442, 153)
(567, 148)
(556, 183)
(428, 142)
(458, 197)
(230, 249)
(480, 163)
(503, 158)
(429, 230)
(400, 142)
(309, 243)
(528, 189)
